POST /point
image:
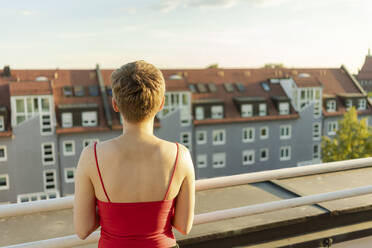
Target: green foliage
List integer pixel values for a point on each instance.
(352, 140)
(212, 66)
(274, 65)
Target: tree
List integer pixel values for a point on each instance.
(212, 66)
(353, 139)
(274, 65)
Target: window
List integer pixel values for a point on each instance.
(219, 137)
(199, 113)
(45, 106)
(201, 137)
(248, 134)
(3, 156)
(219, 160)
(285, 132)
(248, 157)
(79, 90)
(316, 131)
(262, 109)
(316, 151)
(186, 139)
(285, 153)
(2, 124)
(264, 132)
(217, 112)
(331, 105)
(70, 175)
(201, 160)
(349, 103)
(93, 90)
(37, 196)
(284, 108)
(361, 104)
(87, 142)
(246, 110)
(46, 124)
(264, 154)
(47, 153)
(50, 180)
(317, 112)
(67, 120)
(332, 127)
(68, 148)
(4, 181)
(185, 117)
(89, 118)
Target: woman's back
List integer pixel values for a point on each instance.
(137, 170)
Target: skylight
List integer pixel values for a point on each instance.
(229, 87)
(265, 86)
(212, 87)
(93, 90)
(41, 79)
(67, 91)
(79, 90)
(240, 87)
(201, 88)
(192, 88)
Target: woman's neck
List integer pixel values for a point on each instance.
(144, 128)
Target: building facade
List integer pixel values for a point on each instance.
(232, 120)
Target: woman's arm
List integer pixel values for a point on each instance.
(86, 219)
(185, 203)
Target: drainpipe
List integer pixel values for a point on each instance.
(106, 106)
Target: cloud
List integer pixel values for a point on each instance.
(166, 5)
(25, 12)
(170, 5)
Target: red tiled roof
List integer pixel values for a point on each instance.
(366, 72)
(30, 88)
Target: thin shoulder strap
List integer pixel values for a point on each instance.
(99, 172)
(174, 169)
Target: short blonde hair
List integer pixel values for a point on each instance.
(138, 89)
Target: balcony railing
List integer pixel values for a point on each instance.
(204, 184)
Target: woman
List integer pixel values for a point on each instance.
(141, 185)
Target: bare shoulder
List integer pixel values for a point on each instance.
(185, 160)
(86, 160)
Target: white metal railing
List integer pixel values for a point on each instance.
(67, 202)
(203, 184)
(73, 240)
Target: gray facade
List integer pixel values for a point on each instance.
(24, 163)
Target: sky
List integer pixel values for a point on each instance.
(185, 33)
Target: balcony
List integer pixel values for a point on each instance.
(299, 207)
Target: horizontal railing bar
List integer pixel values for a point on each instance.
(73, 240)
(203, 184)
(307, 170)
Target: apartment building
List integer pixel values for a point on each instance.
(232, 120)
(365, 74)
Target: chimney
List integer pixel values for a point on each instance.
(6, 71)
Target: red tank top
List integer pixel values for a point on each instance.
(137, 224)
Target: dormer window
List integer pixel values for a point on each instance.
(362, 104)
(246, 110)
(199, 113)
(217, 112)
(284, 108)
(89, 118)
(66, 119)
(349, 103)
(2, 123)
(262, 109)
(331, 105)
